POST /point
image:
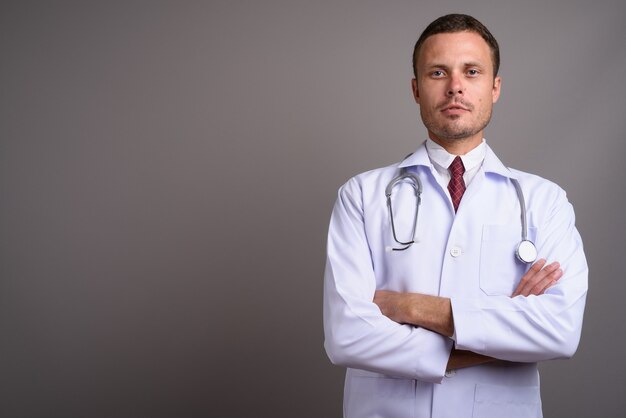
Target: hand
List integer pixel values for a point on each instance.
(461, 358)
(538, 279)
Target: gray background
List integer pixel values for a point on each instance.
(167, 171)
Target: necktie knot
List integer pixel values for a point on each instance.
(456, 187)
(456, 167)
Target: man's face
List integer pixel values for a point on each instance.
(455, 87)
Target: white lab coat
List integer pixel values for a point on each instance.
(398, 370)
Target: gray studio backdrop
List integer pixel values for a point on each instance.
(168, 168)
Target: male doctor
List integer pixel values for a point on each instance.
(454, 323)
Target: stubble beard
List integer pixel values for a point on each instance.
(453, 128)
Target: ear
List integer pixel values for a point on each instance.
(497, 84)
(416, 93)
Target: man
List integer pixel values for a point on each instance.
(447, 321)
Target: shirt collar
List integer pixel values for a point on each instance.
(491, 163)
(443, 158)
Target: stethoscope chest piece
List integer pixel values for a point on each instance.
(526, 252)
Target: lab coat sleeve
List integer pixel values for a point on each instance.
(533, 328)
(357, 334)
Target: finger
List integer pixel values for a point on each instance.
(533, 277)
(532, 271)
(535, 268)
(539, 280)
(547, 282)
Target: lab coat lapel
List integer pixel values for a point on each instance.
(491, 165)
(420, 159)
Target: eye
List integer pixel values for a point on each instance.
(473, 72)
(437, 74)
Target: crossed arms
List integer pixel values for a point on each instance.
(407, 334)
(435, 312)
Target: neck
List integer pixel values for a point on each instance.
(459, 146)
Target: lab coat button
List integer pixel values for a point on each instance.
(455, 251)
(450, 373)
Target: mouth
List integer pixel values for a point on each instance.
(454, 109)
(455, 106)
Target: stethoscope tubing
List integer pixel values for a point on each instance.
(417, 186)
(526, 251)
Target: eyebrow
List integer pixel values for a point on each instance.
(446, 67)
(474, 64)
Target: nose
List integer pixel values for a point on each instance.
(455, 87)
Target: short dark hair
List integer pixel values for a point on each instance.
(453, 23)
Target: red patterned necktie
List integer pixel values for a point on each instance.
(456, 187)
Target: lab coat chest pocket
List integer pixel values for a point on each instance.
(506, 401)
(500, 270)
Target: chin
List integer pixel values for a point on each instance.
(455, 134)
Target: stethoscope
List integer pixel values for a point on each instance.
(526, 251)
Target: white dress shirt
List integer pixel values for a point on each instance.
(442, 159)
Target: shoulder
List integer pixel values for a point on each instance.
(370, 180)
(535, 183)
(362, 192)
(541, 193)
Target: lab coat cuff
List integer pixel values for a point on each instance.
(468, 325)
(433, 362)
